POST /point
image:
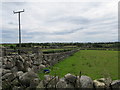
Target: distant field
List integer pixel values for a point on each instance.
(94, 63)
(56, 50)
(8, 45)
(52, 49)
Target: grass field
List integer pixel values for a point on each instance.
(94, 63)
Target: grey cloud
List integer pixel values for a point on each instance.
(12, 34)
(95, 33)
(9, 36)
(12, 23)
(64, 32)
(70, 19)
(14, 3)
(68, 31)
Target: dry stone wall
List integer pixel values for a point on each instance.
(20, 71)
(51, 59)
(72, 81)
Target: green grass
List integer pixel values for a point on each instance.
(94, 63)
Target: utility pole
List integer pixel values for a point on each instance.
(18, 12)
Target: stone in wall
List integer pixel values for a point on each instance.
(50, 81)
(44, 62)
(27, 66)
(115, 84)
(99, 84)
(18, 88)
(84, 82)
(37, 61)
(19, 73)
(9, 76)
(27, 78)
(4, 71)
(41, 66)
(40, 85)
(20, 65)
(6, 85)
(15, 82)
(35, 69)
(8, 63)
(61, 83)
(34, 82)
(21, 58)
(70, 78)
(7, 80)
(103, 82)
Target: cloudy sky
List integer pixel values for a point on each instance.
(61, 21)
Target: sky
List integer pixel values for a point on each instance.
(88, 21)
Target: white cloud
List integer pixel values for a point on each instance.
(63, 21)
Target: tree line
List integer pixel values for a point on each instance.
(59, 45)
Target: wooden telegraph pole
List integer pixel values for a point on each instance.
(18, 12)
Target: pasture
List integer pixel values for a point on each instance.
(94, 63)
